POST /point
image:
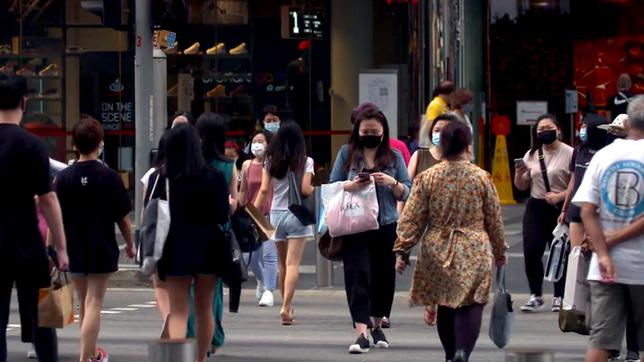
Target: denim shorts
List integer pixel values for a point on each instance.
(287, 226)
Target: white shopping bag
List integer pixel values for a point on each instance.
(577, 293)
(558, 251)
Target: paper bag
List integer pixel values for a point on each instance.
(56, 303)
(264, 225)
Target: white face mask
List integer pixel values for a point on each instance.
(258, 149)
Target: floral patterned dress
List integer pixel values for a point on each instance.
(455, 215)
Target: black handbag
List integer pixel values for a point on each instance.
(302, 208)
(246, 231)
(330, 247)
(235, 270)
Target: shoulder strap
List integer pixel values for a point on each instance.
(544, 170)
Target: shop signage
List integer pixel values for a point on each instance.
(529, 111)
(300, 24)
(380, 87)
(117, 112)
(572, 101)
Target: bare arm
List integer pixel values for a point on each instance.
(244, 181)
(233, 190)
(413, 165)
(522, 178)
(263, 190)
(126, 230)
(307, 187)
(633, 230)
(567, 199)
(50, 209)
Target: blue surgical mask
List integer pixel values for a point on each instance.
(583, 134)
(272, 127)
(436, 139)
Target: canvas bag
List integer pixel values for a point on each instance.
(558, 253)
(349, 213)
(502, 318)
(155, 228)
(56, 303)
(573, 316)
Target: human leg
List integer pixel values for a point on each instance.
(357, 280)
(204, 296)
(534, 245)
(467, 326)
(269, 253)
(282, 250)
(80, 286)
(293, 261)
(608, 311)
(179, 292)
(635, 324)
(445, 324)
(161, 296)
(383, 272)
(45, 341)
(6, 284)
(93, 302)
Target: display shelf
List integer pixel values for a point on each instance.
(239, 99)
(212, 56)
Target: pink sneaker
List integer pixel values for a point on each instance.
(101, 356)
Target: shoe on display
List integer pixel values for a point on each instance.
(5, 48)
(239, 50)
(219, 48)
(173, 50)
(379, 339)
(360, 346)
(26, 71)
(173, 91)
(240, 90)
(193, 49)
(218, 91)
(534, 304)
(268, 300)
(556, 304)
(8, 68)
(50, 70)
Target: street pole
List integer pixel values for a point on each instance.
(160, 113)
(143, 98)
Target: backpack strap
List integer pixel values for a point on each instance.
(544, 170)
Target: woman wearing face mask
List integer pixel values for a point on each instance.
(429, 152)
(547, 193)
(263, 261)
(271, 119)
(368, 257)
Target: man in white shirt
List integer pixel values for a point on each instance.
(612, 199)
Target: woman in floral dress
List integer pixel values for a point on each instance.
(458, 204)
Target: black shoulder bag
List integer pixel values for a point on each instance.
(302, 208)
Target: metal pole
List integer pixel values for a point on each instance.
(143, 97)
(160, 119)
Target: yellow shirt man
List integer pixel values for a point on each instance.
(436, 107)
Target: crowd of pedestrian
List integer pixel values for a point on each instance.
(436, 199)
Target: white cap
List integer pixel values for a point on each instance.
(617, 127)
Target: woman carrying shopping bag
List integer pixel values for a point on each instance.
(263, 261)
(545, 171)
(286, 156)
(458, 204)
(368, 258)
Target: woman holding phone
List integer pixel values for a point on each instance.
(368, 257)
(545, 171)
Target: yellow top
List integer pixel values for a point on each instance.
(435, 108)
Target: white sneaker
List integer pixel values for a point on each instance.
(259, 292)
(32, 355)
(534, 304)
(267, 299)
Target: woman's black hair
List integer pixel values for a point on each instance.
(157, 155)
(455, 138)
(384, 154)
(445, 117)
(211, 128)
(536, 143)
(183, 156)
(267, 135)
(287, 151)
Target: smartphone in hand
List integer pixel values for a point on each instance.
(519, 162)
(363, 176)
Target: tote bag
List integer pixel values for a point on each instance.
(573, 316)
(302, 208)
(558, 254)
(502, 318)
(349, 213)
(155, 228)
(56, 303)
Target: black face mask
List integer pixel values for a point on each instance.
(547, 137)
(370, 141)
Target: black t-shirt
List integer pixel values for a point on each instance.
(24, 173)
(93, 198)
(578, 165)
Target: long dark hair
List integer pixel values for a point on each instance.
(267, 135)
(287, 151)
(384, 154)
(183, 156)
(211, 128)
(536, 143)
(455, 138)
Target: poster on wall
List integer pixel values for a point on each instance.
(380, 87)
(529, 111)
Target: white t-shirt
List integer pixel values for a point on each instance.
(280, 188)
(146, 177)
(558, 164)
(614, 181)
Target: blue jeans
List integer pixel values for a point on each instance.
(263, 264)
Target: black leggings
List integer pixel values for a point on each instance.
(459, 328)
(44, 339)
(369, 273)
(539, 220)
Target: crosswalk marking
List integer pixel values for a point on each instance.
(110, 312)
(124, 309)
(141, 306)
